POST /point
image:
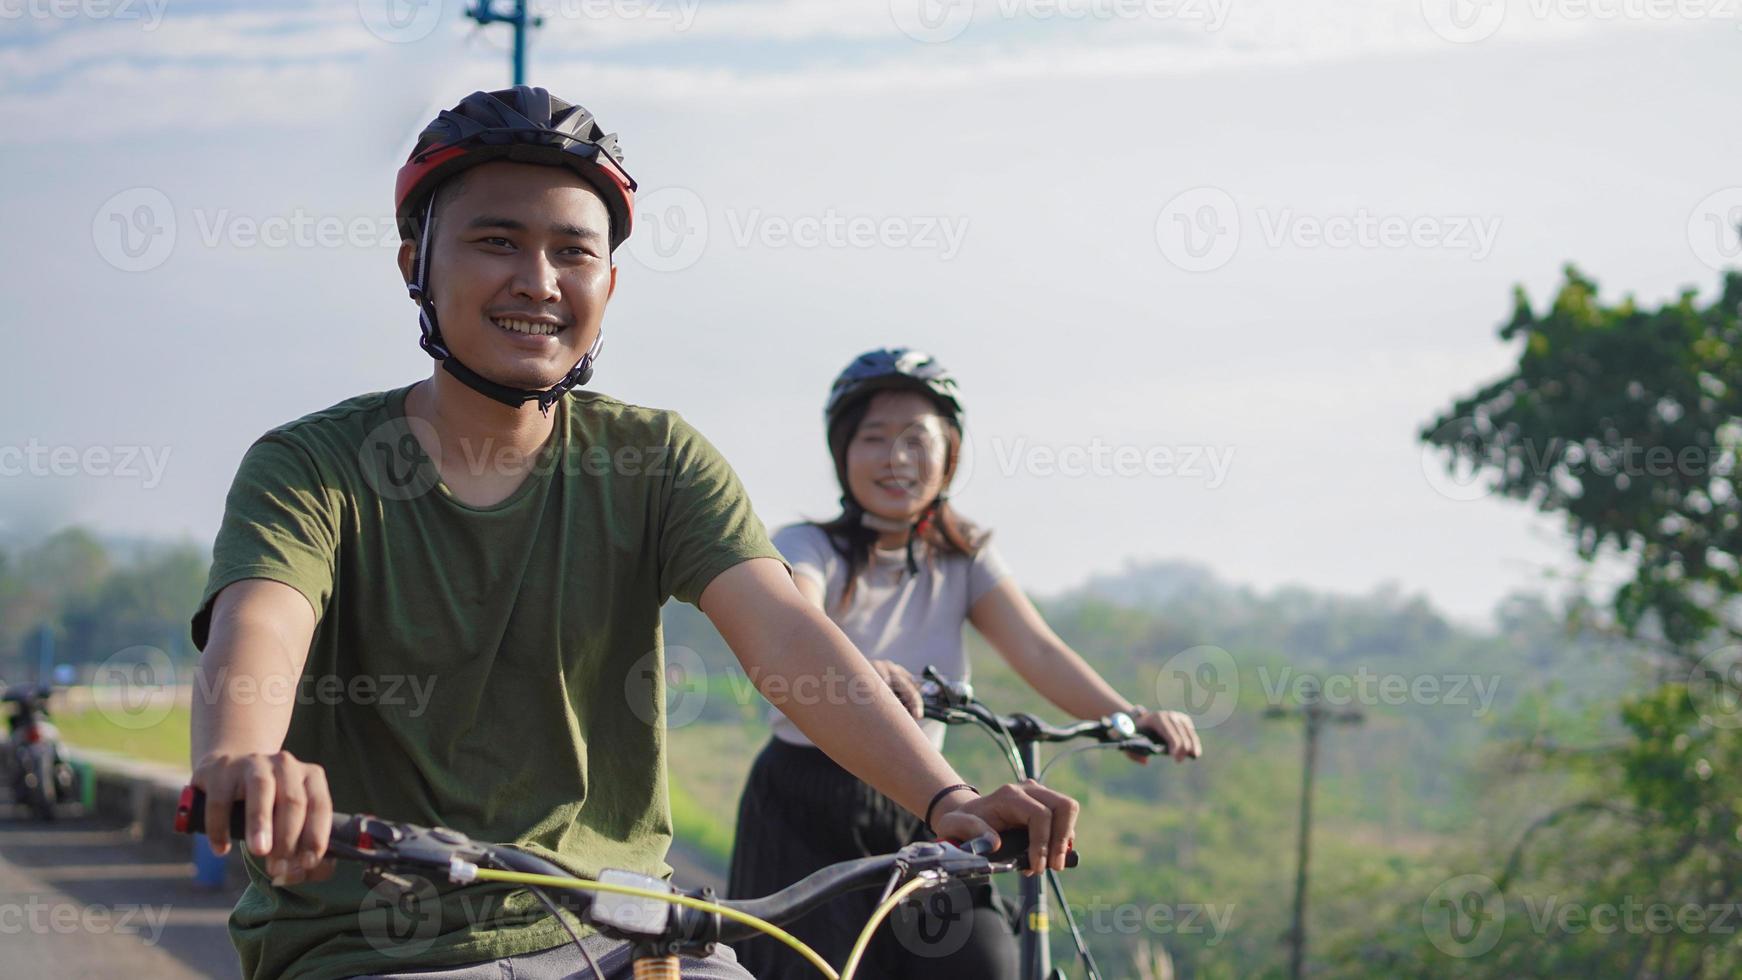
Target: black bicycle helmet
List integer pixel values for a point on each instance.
(894, 368)
(525, 125)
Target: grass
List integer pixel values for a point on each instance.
(708, 765)
(163, 741)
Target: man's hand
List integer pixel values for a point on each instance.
(902, 682)
(1175, 730)
(289, 811)
(1050, 816)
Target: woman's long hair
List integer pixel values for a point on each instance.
(939, 526)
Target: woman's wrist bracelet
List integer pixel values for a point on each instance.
(938, 797)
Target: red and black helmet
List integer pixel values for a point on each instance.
(523, 124)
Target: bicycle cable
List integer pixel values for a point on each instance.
(725, 911)
(598, 974)
(888, 905)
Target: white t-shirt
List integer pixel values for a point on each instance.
(913, 620)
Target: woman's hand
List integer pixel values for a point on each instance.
(1050, 816)
(1175, 730)
(902, 682)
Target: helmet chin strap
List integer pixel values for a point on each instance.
(432, 342)
(879, 523)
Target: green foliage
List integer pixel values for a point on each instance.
(93, 604)
(1397, 797)
(1628, 421)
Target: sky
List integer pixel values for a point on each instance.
(1204, 268)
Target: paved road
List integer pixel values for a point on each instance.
(79, 899)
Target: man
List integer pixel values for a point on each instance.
(441, 603)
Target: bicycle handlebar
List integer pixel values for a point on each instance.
(391, 846)
(954, 703)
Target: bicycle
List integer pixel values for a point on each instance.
(1019, 736)
(660, 921)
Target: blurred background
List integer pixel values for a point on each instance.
(1371, 362)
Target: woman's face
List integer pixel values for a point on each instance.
(897, 458)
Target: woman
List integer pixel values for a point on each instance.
(900, 572)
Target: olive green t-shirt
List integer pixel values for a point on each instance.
(497, 670)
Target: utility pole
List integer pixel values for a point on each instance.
(484, 12)
(1314, 712)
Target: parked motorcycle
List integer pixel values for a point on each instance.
(39, 773)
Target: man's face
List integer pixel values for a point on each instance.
(520, 270)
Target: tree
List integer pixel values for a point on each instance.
(1629, 422)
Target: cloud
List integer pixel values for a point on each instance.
(292, 67)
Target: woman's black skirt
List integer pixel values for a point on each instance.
(801, 811)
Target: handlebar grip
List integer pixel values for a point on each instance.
(1012, 846)
(1145, 745)
(190, 814)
